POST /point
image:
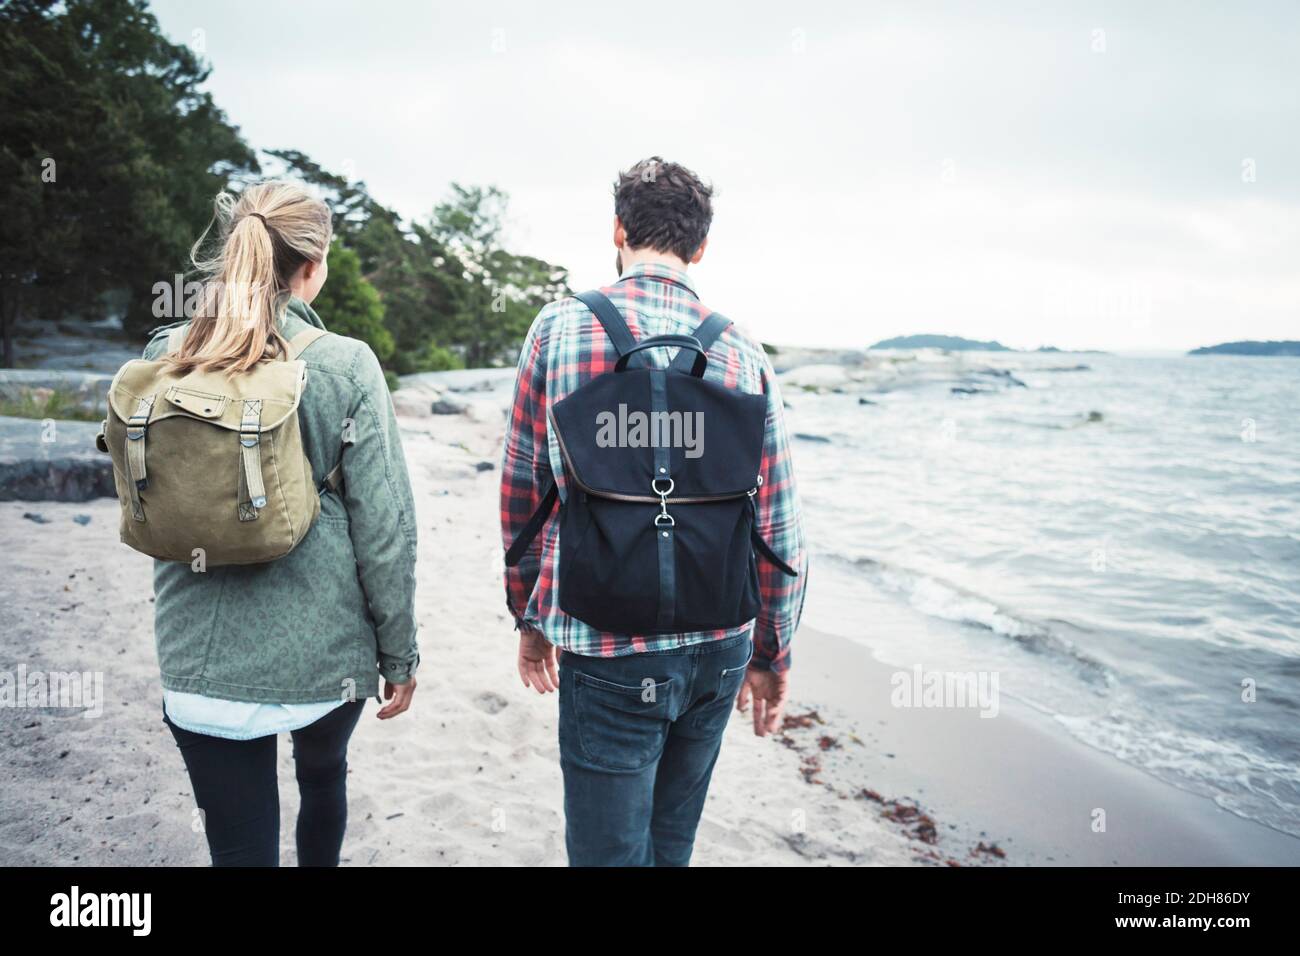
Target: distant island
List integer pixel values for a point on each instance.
(953, 343)
(1250, 348)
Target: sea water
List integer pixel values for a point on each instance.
(1120, 542)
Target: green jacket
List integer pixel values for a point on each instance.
(338, 611)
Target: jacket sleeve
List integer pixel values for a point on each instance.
(525, 470)
(781, 525)
(381, 513)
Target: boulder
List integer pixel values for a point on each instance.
(54, 461)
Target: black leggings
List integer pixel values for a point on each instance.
(236, 788)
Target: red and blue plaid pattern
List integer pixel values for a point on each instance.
(566, 348)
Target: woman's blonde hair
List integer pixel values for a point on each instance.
(265, 235)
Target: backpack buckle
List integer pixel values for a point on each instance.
(663, 518)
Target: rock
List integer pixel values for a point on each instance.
(484, 466)
(815, 378)
(447, 406)
(462, 380)
(1005, 375)
(54, 463)
(81, 519)
(806, 436)
(867, 401)
(88, 391)
(1095, 416)
(967, 390)
(38, 518)
(411, 404)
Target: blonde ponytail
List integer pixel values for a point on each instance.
(265, 235)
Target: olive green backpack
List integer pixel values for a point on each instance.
(209, 464)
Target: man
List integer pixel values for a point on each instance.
(642, 716)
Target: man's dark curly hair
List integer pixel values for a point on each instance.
(663, 206)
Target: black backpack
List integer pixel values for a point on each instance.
(657, 537)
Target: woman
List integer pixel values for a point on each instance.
(298, 644)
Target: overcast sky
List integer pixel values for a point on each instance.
(1119, 176)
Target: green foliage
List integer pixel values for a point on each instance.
(501, 291)
(111, 155)
(138, 152)
(435, 358)
(453, 296)
(350, 304)
(46, 403)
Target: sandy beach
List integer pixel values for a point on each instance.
(470, 775)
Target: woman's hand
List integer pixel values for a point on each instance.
(398, 697)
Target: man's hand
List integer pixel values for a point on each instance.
(398, 697)
(769, 691)
(537, 662)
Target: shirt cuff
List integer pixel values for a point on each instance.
(777, 665)
(398, 670)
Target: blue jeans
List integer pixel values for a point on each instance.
(639, 736)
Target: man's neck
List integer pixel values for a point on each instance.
(644, 257)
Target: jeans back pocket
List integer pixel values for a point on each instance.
(621, 727)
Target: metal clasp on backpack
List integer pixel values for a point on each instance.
(663, 518)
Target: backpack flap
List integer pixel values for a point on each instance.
(214, 397)
(628, 433)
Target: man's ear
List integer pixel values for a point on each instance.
(699, 253)
(620, 234)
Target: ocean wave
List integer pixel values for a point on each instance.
(1239, 779)
(942, 599)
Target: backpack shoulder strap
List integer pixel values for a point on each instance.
(519, 547)
(334, 480)
(174, 339)
(707, 332)
(306, 337)
(297, 345)
(611, 319)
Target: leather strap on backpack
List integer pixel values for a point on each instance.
(519, 547)
(175, 337)
(613, 322)
(625, 343)
(137, 478)
(706, 333)
(298, 344)
(765, 549)
(252, 492)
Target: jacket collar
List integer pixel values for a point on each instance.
(300, 310)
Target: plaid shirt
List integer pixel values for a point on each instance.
(566, 348)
